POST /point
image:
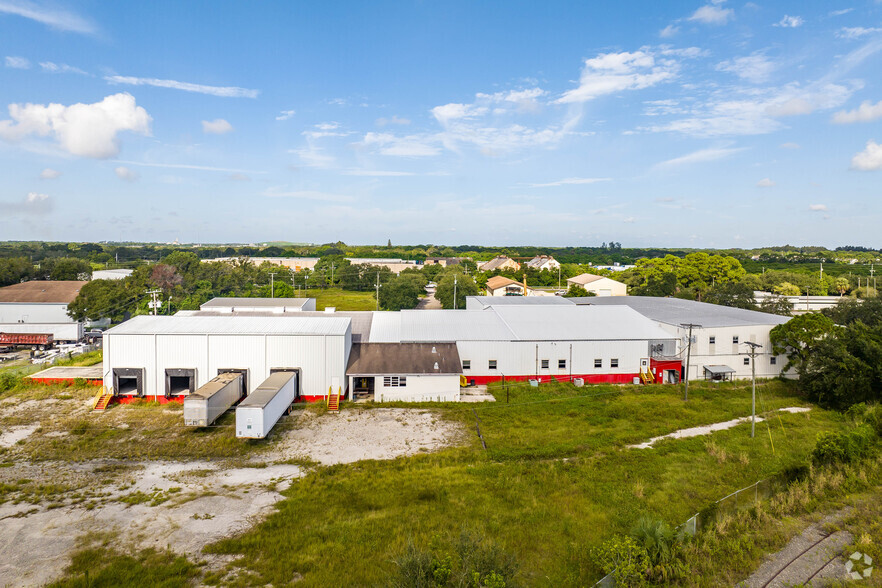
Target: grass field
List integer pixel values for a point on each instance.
(555, 480)
(341, 299)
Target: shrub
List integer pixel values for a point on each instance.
(844, 447)
(625, 558)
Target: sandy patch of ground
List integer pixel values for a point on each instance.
(187, 505)
(13, 435)
(708, 429)
(353, 435)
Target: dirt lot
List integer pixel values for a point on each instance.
(65, 475)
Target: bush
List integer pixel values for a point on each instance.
(663, 548)
(844, 447)
(625, 558)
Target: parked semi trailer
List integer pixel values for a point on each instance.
(205, 405)
(41, 340)
(262, 409)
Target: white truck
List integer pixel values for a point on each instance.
(205, 405)
(262, 409)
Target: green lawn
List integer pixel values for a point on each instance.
(555, 480)
(341, 299)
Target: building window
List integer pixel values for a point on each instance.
(467, 364)
(544, 364)
(598, 363)
(394, 381)
(561, 364)
(614, 363)
(773, 360)
(746, 361)
(491, 365)
(735, 340)
(712, 340)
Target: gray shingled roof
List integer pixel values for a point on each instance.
(676, 311)
(403, 358)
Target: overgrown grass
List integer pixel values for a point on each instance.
(555, 480)
(341, 299)
(100, 566)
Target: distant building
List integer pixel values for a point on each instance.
(599, 285)
(443, 261)
(502, 286)
(41, 307)
(294, 263)
(111, 274)
(500, 262)
(396, 266)
(543, 262)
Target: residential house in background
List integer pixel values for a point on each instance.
(599, 285)
(502, 286)
(500, 262)
(543, 262)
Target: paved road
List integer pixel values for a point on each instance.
(429, 303)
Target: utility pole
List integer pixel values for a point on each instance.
(690, 326)
(332, 274)
(454, 292)
(272, 284)
(378, 290)
(558, 277)
(154, 304)
(168, 308)
(753, 347)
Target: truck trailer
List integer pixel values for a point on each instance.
(262, 409)
(205, 405)
(36, 340)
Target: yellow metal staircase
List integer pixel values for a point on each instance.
(334, 399)
(646, 377)
(102, 399)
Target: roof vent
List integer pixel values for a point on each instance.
(434, 351)
(436, 365)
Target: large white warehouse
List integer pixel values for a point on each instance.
(163, 357)
(718, 348)
(41, 307)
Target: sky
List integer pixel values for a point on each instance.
(652, 124)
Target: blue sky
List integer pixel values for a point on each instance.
(719, 124)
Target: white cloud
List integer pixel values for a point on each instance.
(217, 126)
(609, 73)
(712, 15)
(376, 173)
(408, 146)
(870, 159)
(286, 114)
(33, 203)
(221, 91)
(571, 182)
(49, 174)
(700, 156)
(669, 31)
(328, 126)
(51, 67)
(790, 146)
(856, 32)
(188, 166)
(866, 112)
(765, 183)
(87, 130)
(393, 120)
(314, 157)
(790, 22)
(17, 62)
(628, 220)
(51, 17)
(276, 192)
(126, 174)
(818, 207)
(525, 100)
(237, 177)
(449, 112)
(841, 12)
(755, 68)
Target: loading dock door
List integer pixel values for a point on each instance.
(179, 382)
(128, 382)
(244, 379)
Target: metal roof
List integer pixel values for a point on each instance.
(676, 311)
(361, 319)
(482, 302)
(42, 291)
(232, 302)
(404, 359)
(515, 323)
(719, 369)
(267, 390)
(232, 325)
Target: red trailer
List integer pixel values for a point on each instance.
(40, 340)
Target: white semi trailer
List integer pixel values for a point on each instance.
(262, 409)
(205, 405)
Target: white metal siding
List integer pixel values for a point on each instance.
(422, 388)
(32, 312)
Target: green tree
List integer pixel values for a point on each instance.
(15, 269)
(103, 298)
(465, 286)
(845, 368)
(577, 291)
(65, 268)
(733, 294)
(787, 289)
(842, 285)
(402, 292)
(775, 304)
(799, 337)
